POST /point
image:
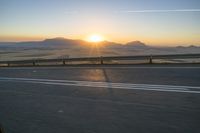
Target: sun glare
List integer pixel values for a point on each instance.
(95, 38)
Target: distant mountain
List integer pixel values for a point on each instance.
(63, 42)
(190, 46)
(54, 42)
(136, 44)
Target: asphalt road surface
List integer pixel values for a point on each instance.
(100, 99)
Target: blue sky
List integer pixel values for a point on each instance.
(116, 20)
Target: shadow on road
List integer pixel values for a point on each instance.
(107, 80)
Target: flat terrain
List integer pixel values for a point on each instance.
(100, 99)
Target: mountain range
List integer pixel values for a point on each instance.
(59, 47)
(63, 42)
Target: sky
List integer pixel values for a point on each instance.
(155, 22)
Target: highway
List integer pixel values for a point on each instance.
(124, 99)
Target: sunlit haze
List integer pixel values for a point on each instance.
(155, 22)
(95, 38)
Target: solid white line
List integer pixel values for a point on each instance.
(99, 67)
(117, 87)
(96, 83)
(168, 88)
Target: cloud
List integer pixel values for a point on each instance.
(158, 11)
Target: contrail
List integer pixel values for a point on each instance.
(159, 11)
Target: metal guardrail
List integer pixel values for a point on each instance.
(150, 58)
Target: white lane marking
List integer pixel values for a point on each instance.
(100, 84)
(97, 83)
(103, 67)
(169, 88)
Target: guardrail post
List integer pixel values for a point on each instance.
(151, 60)
(101, 60)
(64, 63)
(8, 64)
(33, 63)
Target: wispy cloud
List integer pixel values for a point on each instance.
(158, 11)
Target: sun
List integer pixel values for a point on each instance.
(95, 38)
